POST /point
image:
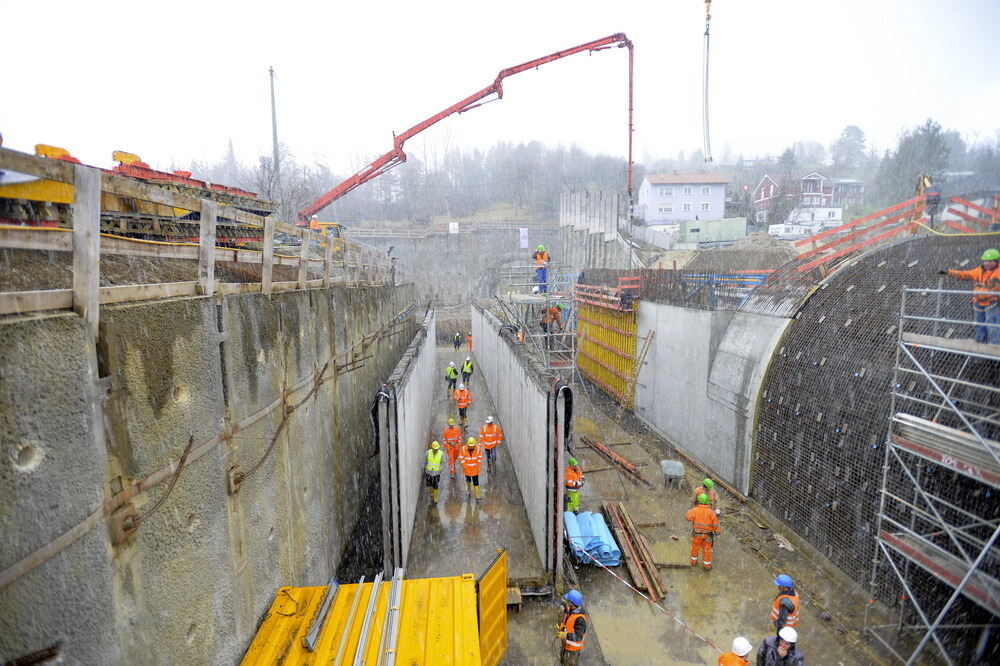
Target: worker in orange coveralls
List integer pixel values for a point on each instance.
(490, 435)
(738, 656)
(452, 437)
(463, 398)
(704, 526)
(468, 340)
(471, 458)
(986, 299)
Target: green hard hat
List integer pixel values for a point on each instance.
(991, 254)
(708, 483)
(560, 306)
(572, 460)
(540, 248)
(703, 499)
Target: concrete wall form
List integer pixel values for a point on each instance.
(521, 400)
(588, 229)
(190, 585)
(700, 382)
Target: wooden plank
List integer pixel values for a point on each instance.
(128, 246)
(284, 286)
(16, 302)
(29, 238)
(130, 293)
(267, 257)
(328, 262)
(206, 248)
(303, 261)
(237, 287)
(289, 229)
(43, 167)
(87, 245)
(241, 216)
(128, 187)
(963, 345)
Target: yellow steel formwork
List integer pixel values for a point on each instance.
(492, 587)
(437, 624)
(607, 345)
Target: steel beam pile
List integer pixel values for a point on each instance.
(628, 469)
(636, 550)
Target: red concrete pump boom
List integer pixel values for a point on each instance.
(396, 155)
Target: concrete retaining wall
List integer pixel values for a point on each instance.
(699, 385)
(411, 379)
(588, 231)
(191, 584)
(520, 398)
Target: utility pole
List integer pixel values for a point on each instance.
(274, 142)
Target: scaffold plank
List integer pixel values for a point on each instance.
(947, 447)
(961, 345)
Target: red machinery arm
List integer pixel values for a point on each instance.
(396, 155)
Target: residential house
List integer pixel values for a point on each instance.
(815, 190)
(767, 189)
(675, 197)
(848, 192)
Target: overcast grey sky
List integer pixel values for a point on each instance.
(176, 81)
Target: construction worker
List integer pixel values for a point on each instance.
(467, 369)
(457, 340)
(708, 487)
(490, 435)
(737, 657)
(785, 609)
(314, 223)
(452, 437)
(432, 469)
(572, 627)
(574, 481)
(463, 399)
(471, 457)
(986, 299)
(551, 321)
(450, 377)
(780, 650)
(541, 258)
(704, 527)
(468, 341)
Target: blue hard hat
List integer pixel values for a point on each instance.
(574, 597)
(784, 580)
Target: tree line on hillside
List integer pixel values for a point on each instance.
(531, 176)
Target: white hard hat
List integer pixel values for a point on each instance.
(451, 365)
(489, 419)
(468, 358)
(315, 217)
(461, 386)
(741, 646)
(788, 634)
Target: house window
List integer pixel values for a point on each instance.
(666, 191)
(695, 230)
(687, 189)
(705, 189)
(831, 214)
(772, 191)
(687, 207)
(705, 205)
(668, 208)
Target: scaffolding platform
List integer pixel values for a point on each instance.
(941, 564)
(961, 345)
(947, 447)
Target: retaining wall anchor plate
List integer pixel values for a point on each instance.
(122, 524)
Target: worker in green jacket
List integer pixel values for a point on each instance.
(432, 469)
(467, 369)
(450, 377)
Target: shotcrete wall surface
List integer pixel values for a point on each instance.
(412, 381)
(192, 582)
(700, 382)
(521, 401)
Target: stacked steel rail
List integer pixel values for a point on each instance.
(636, 550)
(938, 526)
(624, 466)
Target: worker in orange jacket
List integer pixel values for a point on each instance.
(704, 527)
(574, 479)
(468, 340)
(708, 487)
(551, 322)
(572, 628)
(785, 608)
(314, 223)
(541, 259)
(452, 437)
(463, 398)
(471, 457)
(490, 436)
(986, 299)
(738, 656)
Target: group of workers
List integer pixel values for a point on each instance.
(778, 649)
(985, 279)
(457, 341)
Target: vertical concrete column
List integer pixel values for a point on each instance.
(87, 245)
(328, 262)
(206, 248)
(267, 258)
(307, 238)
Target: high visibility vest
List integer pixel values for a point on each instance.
(550, 315)
(452, 436)
(463, 397)
(574, 478)
(732, 659)
(569, 622)
(541, 258)
(458, 338)
(793, 617)
(470, 460)
(490, 435)
(434, 459)
(467, 367)
(314, 225)
(986, 284)
(450, 372)
(703, 520)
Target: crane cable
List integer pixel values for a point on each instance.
(708, 143)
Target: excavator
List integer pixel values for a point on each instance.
(396, 155)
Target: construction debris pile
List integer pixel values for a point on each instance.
(590, 539)
(643, 569)
(621, 464)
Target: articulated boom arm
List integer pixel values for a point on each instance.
(396, 155)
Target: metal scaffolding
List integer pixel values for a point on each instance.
(938, 515)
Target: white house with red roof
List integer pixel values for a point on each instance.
(665, 198)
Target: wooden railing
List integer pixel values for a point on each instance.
(357, 264)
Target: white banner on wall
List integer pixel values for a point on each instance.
(523, 235)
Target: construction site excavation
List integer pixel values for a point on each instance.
(528, 393)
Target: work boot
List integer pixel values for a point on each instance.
(477, 493)
(468, 487)
(434, 496)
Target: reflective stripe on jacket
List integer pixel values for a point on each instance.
(986, 284)
(463, 397)
(450, 372)
(703, 520)
(793, 617)
(452, 436)
(490, 435)
(574, 478)
(434, 459)
(467, 367)
(573, 640)
(470, 460)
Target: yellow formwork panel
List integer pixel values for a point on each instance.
(607, 349)
(437, 624)
(492, 587)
